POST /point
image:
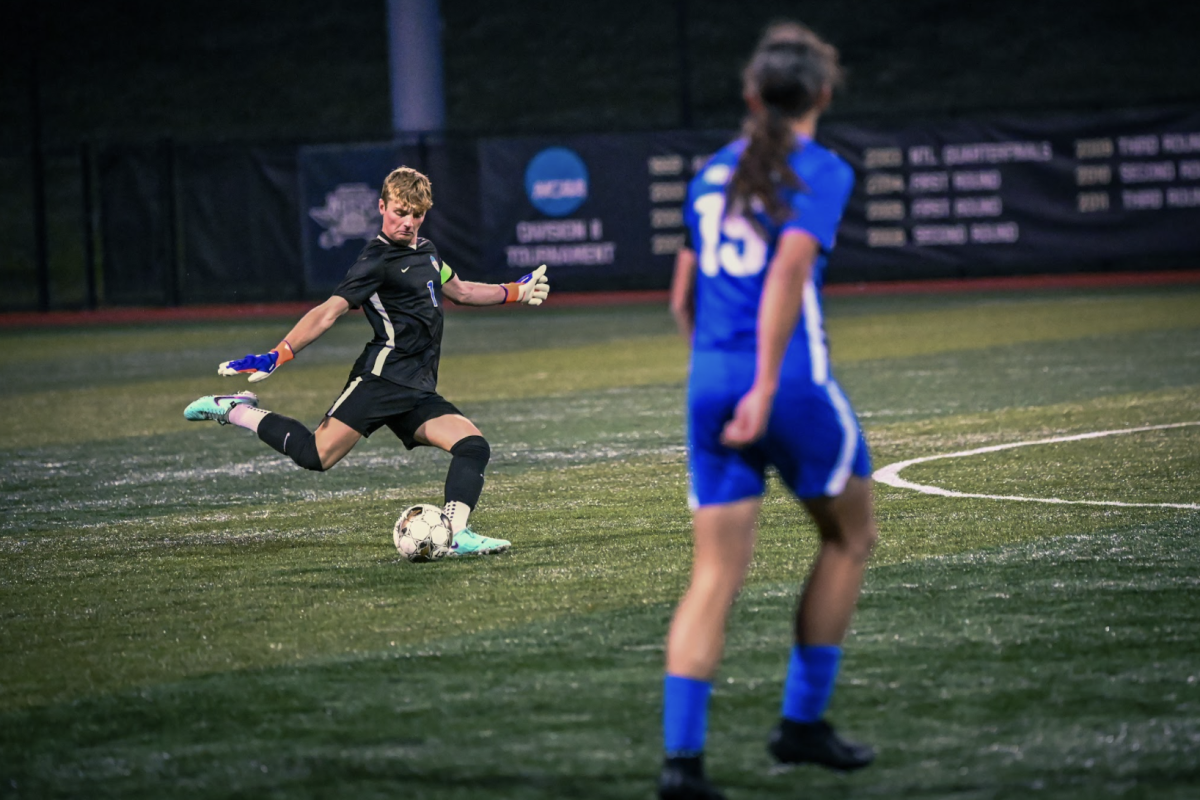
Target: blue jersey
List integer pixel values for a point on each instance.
(733, 256)
(812, 439)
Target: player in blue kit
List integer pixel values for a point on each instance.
(763, 216)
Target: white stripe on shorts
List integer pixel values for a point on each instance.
(841, 470)
(345, 394)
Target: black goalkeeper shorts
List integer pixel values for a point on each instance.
(368, 403)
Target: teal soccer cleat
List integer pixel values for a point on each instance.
(218, 406)
(469, 543)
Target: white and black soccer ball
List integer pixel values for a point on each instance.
(423, 533)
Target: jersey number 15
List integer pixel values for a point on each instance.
(727, 243)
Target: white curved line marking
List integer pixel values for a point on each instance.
(890, 474)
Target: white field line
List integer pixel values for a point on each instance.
(890, 474)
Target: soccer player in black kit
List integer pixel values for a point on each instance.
(400, 283)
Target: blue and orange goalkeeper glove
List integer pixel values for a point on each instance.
(259, 367)
(532, 289)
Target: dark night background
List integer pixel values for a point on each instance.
(306, 71)
(318, 70)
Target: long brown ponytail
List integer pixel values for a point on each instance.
(788, 73)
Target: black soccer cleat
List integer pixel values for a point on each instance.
(683, 779)
(817, 743)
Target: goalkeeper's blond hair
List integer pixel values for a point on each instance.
(406, 187)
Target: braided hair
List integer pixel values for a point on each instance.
(789, 73)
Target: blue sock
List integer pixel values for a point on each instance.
(685, 715)
(812, 671)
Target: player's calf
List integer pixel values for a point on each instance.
(283, 433)
(464, 479)
(293, 439)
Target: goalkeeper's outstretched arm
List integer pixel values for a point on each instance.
(318, 320)
(531, 289)
(310, 328)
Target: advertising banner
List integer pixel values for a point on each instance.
(1010, 195)
(602, 211)
(339, 204)
(936, 200)
(949, 199)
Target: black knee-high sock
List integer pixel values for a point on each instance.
(291, 438)
(464, 479)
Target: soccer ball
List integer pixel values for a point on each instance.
(423, 533)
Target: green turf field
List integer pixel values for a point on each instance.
(187, 614)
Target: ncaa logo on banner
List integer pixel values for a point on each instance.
(556, 181)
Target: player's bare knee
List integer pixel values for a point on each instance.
(717, 582)
(856, 540)
(861, 541)
(330, 458)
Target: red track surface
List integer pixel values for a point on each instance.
(202, 313)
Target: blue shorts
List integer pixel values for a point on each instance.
(813, 439)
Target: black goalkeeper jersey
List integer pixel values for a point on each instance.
(400, 290)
